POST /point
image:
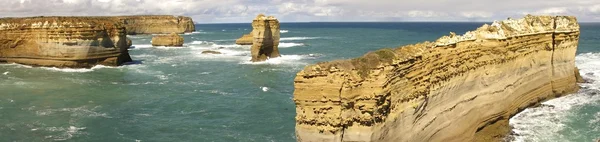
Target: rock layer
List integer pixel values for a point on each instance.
(172, 39)
(63, 41)
(265, 34)
(245, 40)
(458, 88)
(157, 24)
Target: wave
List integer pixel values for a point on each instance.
(283, 31)
(76, 69)
(291, 44)
(297, 38)
(213, 44)
(545, 123)
(195, 32)
(284, 59)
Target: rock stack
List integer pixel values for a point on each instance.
(172, 39)
(458, 88)
(265, 34)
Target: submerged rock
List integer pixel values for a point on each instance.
(458, 88)
(75, 42)
(172, 39)
(210, 52)
(265, 34)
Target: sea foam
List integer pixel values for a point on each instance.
(545, 122)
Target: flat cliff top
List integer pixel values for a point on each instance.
(498, 30)
(56, 22)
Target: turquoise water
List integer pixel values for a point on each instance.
(179, 94)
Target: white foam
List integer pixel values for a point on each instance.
(140, 46)
(214, 45)
(545, 122)
(195, 32)
(75, 69)
(284, 59)
(287, 45)
(283, 31)
(5, 73)
(297, 38)
(264, 89)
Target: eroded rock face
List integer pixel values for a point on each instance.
(245, 40)
(157, 24)
(265, 33)
(458, 88)
(77, 42)
(172, 39)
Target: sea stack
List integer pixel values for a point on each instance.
(172, 39)
(265, 34)
(458, 88)
(77, 42)
(157, 24)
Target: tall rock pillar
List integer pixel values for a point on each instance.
(265, 34)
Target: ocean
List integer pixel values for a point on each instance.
(179, 94)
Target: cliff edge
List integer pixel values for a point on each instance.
(157, 24)
(79, 42)
(458, 88)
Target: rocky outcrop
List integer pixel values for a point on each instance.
(157, 24)
(211, 52)
(63, 41)
(458, 88)
(245, 40)
(172, 39)
(265, 34)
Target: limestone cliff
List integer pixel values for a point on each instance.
(245, 40)
(157, 24)
(458, 88)
(172, 39)
(265, 34)
(63, 41)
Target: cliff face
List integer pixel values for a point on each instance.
(265, 34)
(172, 39)
(157, 24)
(63, 41)
(458, 88)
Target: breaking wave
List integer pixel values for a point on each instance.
(291, 44)
(545, 123)
(297, 38)
(283, 31)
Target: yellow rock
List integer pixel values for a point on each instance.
(77, 42)
(172, 39)
(265, 34)
(458, 88)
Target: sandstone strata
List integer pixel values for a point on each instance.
(245, 40)
(458, 88)
(172, 39)
(265, 34)
(63, 41)
(157, 24)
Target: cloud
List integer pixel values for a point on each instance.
(212, 11)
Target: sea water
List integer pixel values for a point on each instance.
(179, 94)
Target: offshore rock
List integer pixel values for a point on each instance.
(77, 42)
(157, 24)
(245, 40)
(211, 52)
(172, 39)
(458, 88)
(265, 34)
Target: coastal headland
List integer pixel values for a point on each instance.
(457, 88)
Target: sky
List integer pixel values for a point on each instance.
(243, 11)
